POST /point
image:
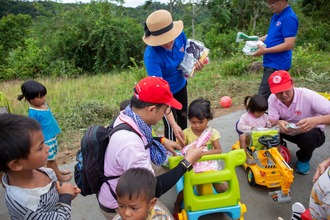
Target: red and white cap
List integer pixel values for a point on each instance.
(280, 81)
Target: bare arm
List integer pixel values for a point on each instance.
(263, 38)
(307, 124)
(321, 168)
(216, 148)
(176, 128)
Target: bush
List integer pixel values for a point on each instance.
(221, 44)
(237, 65)
(24, 63)
(305, 58)
(87, 113)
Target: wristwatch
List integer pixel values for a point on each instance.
(186, 164)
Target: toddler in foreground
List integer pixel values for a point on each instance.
(136, 196)
(32, 191)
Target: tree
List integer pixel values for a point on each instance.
(316, 9)
(13, 32)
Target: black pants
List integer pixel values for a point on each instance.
(307, 142)
(264, 89)
(180, 116)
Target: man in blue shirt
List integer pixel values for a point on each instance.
(279, 40)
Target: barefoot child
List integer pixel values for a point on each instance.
(32, 191)
(35, 93)
(136, 196)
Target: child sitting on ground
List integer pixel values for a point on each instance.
(136, 196)
(254, 118)
(32, 191)
(35, 93)
(199, 114)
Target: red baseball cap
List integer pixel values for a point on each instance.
(280, 81)
(154, 89)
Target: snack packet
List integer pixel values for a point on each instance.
(252, 46)
(195, 50)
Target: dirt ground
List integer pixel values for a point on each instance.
(68, 155)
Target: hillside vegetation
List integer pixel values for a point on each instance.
(89, 56)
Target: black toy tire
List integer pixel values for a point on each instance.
(250, 177)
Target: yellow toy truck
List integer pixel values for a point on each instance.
(270, 168)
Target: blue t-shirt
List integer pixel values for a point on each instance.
(47, 121)
(282, 26)
(164, 63)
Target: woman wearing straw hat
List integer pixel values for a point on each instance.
(166, 48)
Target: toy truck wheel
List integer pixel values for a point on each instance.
(250, 177)
(284, 151)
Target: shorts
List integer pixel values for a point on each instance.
(52, 144)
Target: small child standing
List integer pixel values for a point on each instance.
(35, 93)
(32, 191)
(254, 118)
(136, 196)
(199, 114)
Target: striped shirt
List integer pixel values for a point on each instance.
(38, 203)
(319, 202)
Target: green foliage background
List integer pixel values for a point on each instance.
(44, 38)
(90, 55)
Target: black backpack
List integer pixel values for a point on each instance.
(89, 170)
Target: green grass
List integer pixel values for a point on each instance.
(80, 102)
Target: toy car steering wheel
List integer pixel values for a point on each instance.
(269, 141)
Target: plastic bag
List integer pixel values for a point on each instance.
(200, 141)
(195, 50)
(252, 46)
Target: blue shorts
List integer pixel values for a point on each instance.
(52, 144)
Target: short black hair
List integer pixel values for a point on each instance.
(124, 104)
(15, 138)
(255, 103)
(200, 108)
(137, 182)
(32, 89)
(137, 103)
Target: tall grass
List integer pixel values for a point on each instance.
(80, 102)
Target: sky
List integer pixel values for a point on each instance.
(128, 3)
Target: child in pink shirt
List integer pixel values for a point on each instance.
(254, 118)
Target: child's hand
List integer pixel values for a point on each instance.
(66, 187)
(76, 192)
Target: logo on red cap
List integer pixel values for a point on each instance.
(280, 81)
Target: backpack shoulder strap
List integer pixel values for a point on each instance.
(122, 126)
(111, 131)
(125, 126)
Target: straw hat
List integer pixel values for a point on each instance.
(160, 29)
